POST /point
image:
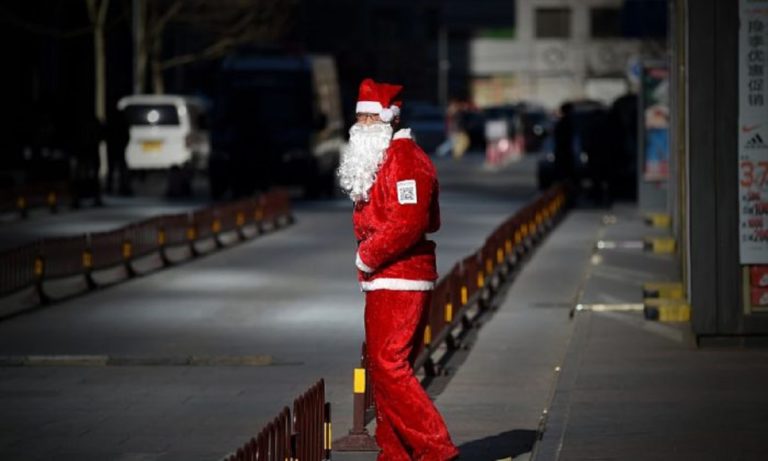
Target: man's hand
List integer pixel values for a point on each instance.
(361, 265)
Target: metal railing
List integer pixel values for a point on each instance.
(305, 437)
(20, 199)
(34, 264)
(459, 299)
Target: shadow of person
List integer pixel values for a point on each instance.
(505, 445)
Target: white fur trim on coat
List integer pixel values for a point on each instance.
(397, 284)
(368, 107)
(404, 133)
(361, 265)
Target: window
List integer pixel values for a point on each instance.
(553, 22)
(605, 22)
(152, 114)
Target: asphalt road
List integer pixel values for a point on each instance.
(284, 307)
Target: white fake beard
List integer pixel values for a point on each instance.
(361, 159)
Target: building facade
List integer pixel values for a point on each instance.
(561, 49)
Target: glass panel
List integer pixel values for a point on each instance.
(553, 22)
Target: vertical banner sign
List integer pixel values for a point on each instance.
(753, 132)
(655, 106)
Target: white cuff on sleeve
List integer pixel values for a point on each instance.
(361, 265)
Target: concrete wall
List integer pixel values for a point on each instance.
(551, 70)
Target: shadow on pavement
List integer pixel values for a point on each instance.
(496, 447)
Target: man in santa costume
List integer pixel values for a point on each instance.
(393, 185)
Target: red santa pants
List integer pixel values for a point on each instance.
(408, 426)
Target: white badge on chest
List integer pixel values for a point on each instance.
(406, 192)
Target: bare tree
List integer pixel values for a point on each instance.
(225, 23)
(97, 13)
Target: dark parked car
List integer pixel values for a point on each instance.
(427, 124)
(276, 122)
(582, 149)
(537, 128)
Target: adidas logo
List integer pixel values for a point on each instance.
(756, 142)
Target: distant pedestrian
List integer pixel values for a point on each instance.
(566, 143)
(88, 136)
(117, 169)
(394, 187)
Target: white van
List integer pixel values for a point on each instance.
(165, 131)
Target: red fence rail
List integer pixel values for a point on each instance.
(305, 437)
(311, 425)
(30, 266)
(20, 268)
(20, 199)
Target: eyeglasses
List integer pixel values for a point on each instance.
(363, 117)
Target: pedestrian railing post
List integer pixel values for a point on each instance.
(162, 240)
(52, 201)
(87, 263)
(239, 224)
(192, 237)
(39, 271)
(127, 250)
(21, 206)
(258, 217)
(358, 438)
(327, 430)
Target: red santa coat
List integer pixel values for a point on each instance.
(391, 227)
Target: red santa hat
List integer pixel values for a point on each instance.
(374, 98)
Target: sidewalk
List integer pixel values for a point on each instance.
(633, 389)
(494, 402)
(614, 385)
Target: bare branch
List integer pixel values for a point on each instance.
(226, 24)
(103, 11)
(216, 50)
(155, 29)
(91, 5)
(14, 20)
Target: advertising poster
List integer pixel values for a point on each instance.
(753, 132)
(655, 117)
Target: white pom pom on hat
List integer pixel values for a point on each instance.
(386, 115)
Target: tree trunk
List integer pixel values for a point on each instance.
(97, 11)
(153, 35)
(139, 45)
(158, 84)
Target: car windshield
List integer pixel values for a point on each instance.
(498, 112)
(425, 113)
(152, 114)
(535, 117)
(272, 99)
